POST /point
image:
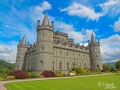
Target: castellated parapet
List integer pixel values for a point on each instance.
(56, 51)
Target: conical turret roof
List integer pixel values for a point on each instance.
(93, 38)
(23, 40)
(45, 20)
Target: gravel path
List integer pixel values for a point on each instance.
(2, 87)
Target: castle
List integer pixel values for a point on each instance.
(55, 51)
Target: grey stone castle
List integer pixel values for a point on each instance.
(55, 51)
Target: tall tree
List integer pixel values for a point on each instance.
(117, 64)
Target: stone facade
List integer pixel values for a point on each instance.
(55, 51)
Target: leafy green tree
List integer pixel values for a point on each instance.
(107, 67)
(113, 69)
(117, 64)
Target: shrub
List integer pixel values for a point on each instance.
(88, 71)
(91, 69)
(58, 73)
(19, 74)
(98, 71)
(48, 73)
(74, 72)
(32, 75)
(103, 70)
(42, 76)
(64, 75)
(9, 77)
(37, 75)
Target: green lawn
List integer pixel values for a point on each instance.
(81, 83)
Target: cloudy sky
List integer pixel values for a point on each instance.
(78, 18)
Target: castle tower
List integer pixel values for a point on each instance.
(95, 56)
(22, 48)
(44, 46)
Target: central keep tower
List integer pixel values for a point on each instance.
(44, 45)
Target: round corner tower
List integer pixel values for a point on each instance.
(44, 46)
(20, 58)
(95, 55)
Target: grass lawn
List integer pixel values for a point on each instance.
(79, 83)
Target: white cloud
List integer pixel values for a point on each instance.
(80, 10)
(116, 26)
(42, 7)
(8, 53)
(111, 7)
(20, 22)
(110, 48)
(78, 36)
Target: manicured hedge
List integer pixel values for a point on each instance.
(19, 74)
(48, 73)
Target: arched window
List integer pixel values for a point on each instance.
(42, 47)
(41, 64)
(84, 65)
(67, 65)
(67, 53)
(60, 52)
(74, 63)
(60, 65)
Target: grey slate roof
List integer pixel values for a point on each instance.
(92, 39)
(45, 20)
(23, 40)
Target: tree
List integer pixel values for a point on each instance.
(107, 67)
(117, 64)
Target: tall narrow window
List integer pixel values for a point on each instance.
(41, 64)
(60, 65)
(67, 53)
(42, 47)
(53, 65)
(74, 63)
(67, 65)
(84, 65)
(60, 52)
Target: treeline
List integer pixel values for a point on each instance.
(4, 64)
(6, 67)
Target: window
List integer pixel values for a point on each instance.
(74, 63)
(67, 65)
(84, 56)
(67, 53)
(84, 65)
(79, 54)
(98, 66)
(41, 64)
(42, 47)
(60, 52)
(60, 65)
(73, 54)
(53, 65)
(96, 56)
